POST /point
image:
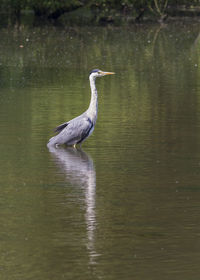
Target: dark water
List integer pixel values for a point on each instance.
(127, 205)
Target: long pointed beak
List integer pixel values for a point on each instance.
(108, 73)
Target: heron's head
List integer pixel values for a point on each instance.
(98, 73)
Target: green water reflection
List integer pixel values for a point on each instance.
(127, 205)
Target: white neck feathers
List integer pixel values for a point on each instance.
(93, 108)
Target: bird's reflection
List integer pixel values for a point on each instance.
(79, 169)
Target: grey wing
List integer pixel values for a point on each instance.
(74, 132)
(78, 130)
(61, 127)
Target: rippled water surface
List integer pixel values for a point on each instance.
(126, 205)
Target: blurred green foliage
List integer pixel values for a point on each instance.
(100, 10)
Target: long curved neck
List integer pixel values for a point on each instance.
(93, 107)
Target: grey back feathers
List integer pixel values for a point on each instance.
(73, 132)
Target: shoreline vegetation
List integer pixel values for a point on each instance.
(116, 12)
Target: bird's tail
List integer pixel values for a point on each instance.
(52, 141)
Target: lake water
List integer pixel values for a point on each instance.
(127, 205)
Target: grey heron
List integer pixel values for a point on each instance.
(78, 129)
